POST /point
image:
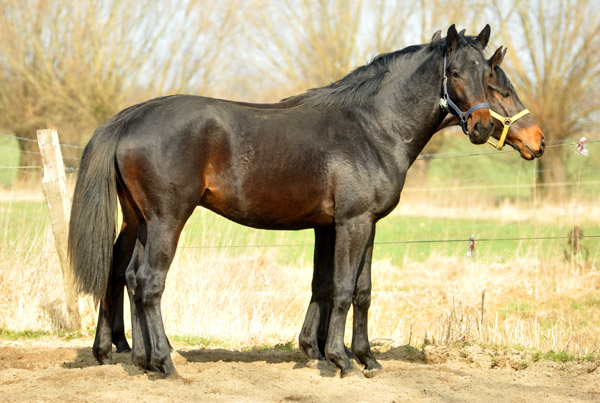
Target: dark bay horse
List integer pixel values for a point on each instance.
(333, 159)
(523, 134)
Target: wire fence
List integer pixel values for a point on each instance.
(458, 185)
(560, 143)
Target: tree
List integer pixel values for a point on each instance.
(555, 65)
(72, 65)
(300, 44)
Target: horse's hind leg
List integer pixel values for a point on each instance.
(123, 253)
(140, 355)
(110, 328)
(314, 330)
(161, 243)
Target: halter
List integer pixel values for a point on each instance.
(446, 101)
(506, 122)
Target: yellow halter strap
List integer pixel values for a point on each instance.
(506, 122)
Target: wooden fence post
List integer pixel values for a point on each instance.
(54, 183)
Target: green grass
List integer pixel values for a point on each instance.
(561, 356)
(23, 223)
(6, 334)
(293, 247)
(9, 157)
(589, 302)
(191, 340)
(506, 175)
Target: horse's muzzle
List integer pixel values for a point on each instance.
(481, 133)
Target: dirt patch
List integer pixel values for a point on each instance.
(35, 371)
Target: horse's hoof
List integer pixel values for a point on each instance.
(371, 373)
(123, 347)
(172, 375)
(104, 358)
(139, 361)
(351, 372)
(313, 364)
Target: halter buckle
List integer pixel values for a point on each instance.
(506, 122)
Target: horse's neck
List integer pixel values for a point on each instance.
(409, 105)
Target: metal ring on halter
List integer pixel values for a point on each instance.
(506, 122)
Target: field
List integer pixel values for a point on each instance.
(235, 297)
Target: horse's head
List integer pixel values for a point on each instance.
(465, 80)
(515, 126)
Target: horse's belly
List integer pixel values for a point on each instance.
(272, 207)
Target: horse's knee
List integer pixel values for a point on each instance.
(342, 302)
(362, 300)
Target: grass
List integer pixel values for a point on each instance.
(9, 158)
(561, 357)
(506, 175)
(191, 340)
(25, 221)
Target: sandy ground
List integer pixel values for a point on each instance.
(67, 371)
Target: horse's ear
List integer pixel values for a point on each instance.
(452, 39)
(462, 32)
(437, 36)
(497, 58)
(484, 36)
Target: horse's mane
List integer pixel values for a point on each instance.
(365, 81)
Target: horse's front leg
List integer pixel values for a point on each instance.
(361, 303)
(352, 239)
(314, 330)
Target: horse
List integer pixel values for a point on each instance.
(333, 159)
(526, 137)
(517, 128)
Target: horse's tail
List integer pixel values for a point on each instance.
(92, 227)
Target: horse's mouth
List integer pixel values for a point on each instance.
(524, 155)
(536, 154)
(529, 157)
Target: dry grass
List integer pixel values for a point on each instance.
(252, 300)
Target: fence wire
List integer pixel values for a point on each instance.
(560, 143)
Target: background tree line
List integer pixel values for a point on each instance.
(72, 65)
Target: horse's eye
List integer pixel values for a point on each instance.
(506, 94)
(455, 74)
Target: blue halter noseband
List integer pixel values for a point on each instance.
(446, 101)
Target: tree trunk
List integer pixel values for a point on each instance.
(551, 176)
